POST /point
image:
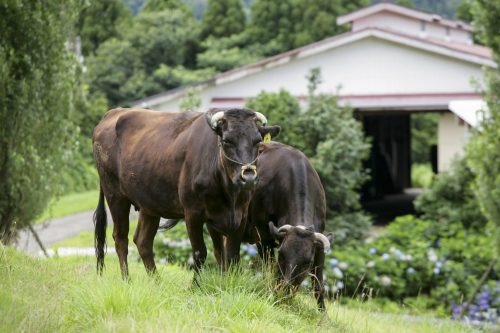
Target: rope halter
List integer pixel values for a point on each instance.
(244, 166)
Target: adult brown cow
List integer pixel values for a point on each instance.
(288, 207)
(191, 165)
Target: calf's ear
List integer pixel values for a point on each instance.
(329, 236)
(274, 131)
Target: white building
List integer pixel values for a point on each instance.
(393, 62)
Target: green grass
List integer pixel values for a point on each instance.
(71, 204)
(66, 295)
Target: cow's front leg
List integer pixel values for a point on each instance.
(194, 225)
(317, 279)
(232, 248)
(218, 242)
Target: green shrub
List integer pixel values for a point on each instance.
(451, 198)
(421, 175)
(349, 227)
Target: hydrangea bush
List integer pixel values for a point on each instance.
(484, 308)
(173, 246)
(414, 258)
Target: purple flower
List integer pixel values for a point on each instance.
(252, 251)
(373, 250)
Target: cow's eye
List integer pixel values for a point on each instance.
(227, 142)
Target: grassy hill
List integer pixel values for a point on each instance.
(64, 294)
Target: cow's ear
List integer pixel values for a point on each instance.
(274, 131)
(275, 232)
(329, 236)
(215, 119)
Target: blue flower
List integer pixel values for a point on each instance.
(410, 270)
(436, 270)
(373, 250)
(386, 256)
(439, 264)
(244, 247)
(252, 251)
(305, 283)
(338, 273)
(333, 261)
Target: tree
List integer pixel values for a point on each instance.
(316, 20)
(289, 24)
(483, 150)
(126, 69)
(223, 18)
(271, 24)
(36, 106)
(227, 53)
(100, 20)
(163, 37)
(464, 11)
(113, 64)
(423, 136)
(153, 6)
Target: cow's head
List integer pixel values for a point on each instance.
(297, 252)
(240, 132)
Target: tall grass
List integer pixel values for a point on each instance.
(66, 295)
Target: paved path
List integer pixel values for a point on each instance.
(59, 229)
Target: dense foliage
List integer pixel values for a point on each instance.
(223, 18)
(423, 136)
(283, 25)
(37, 76)
(99, 21)
(483, 152)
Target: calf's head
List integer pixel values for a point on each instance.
(240, 131)
(297, 252)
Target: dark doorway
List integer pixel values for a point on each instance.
(390, 159)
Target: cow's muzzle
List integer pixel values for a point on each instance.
(248, 176)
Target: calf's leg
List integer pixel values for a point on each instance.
(317, 280)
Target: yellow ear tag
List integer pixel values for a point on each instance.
(267, 138)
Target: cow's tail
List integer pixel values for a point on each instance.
(100, 224)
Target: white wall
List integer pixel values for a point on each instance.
(368, 67)
(412, 26)
(452, 136)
